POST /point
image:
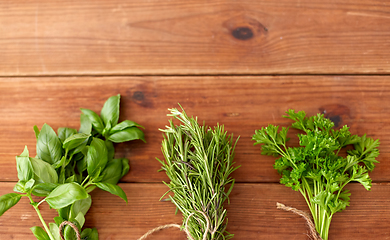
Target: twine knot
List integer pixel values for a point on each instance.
(150, 232)
(310, 224)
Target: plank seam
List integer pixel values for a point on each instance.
(197, 75)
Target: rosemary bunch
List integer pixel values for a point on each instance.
(199, 161)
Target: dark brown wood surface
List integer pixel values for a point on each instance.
(194, 37)
(237, 63)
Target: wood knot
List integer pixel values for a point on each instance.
(143, 96)
(245, 28)
(138, 96)
(242, 33)
(337, 113)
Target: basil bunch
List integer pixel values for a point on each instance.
(69, 165)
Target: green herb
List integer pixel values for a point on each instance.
(317, 169)
(199, 161)
(71, 164)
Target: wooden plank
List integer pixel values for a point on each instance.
(252, 214)
(193, 37)
(243, 104)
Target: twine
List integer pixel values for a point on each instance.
(150, 232)
(303, 214)
(74, 228)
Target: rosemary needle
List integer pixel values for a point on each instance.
(199, 161)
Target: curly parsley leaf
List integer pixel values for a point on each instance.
(315, 168)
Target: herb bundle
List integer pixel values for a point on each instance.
(317, 169)
(71, 164)
(199, 161)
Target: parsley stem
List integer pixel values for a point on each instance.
(35, 205)
(323, 222)
(284, 153)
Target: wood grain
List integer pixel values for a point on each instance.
(252, 214)
(243, 104)
(194, 37)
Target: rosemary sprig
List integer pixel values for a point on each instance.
(199, 161)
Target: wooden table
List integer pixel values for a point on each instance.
(239, 63)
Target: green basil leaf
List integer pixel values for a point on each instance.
(80, 149)
(90, 234)
(58, 220)
(19, 187)
(75, 140)
(44, 189)
(49, 147)
(66, 194)
(110, 150)
(96, 156)
(61, 178)
(85, 233)
(69, 232)
(44, 172)
(113, 189)
(77, 156)
(125, 166)
(93, 235)
(85, 124)
(64, 213)
(23, 186)
(29, 185)
(123, 125)
(106, 130)
(24, 167)
(39, 233)
(110, 110)
(80, 219)
(127, 134)
(55, 231)
(60, 163)
(36, 131)
(96, 121)
(97, 177)
(70, 179)
(80, 206)
(112, 172)
(85, 150)
(82, 165)
(8, 200)
(64, 133)
(90, 188)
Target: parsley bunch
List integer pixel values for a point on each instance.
(69, 165)
(316, 168)
(199, 161)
